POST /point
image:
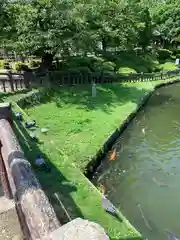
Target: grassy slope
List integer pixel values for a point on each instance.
(78, 126)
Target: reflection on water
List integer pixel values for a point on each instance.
(144, 180)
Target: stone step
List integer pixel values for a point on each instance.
(9, 224)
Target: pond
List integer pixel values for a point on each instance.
(143, 180)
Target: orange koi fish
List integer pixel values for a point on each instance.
(102, 189)
(112, 155)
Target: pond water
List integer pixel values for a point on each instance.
(144, 179)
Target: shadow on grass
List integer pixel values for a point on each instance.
(53, 183)
(4, 95)
(108, 96)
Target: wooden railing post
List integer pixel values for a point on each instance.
(4, 85)
(11, 80)
(161, 75)
(27, 78)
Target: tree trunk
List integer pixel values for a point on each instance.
(104, 44)
(47, 60)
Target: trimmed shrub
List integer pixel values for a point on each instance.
(1, 64)
(84, 70)
(169, 66)
(164, 54)
(126, 70)
(176, 51)
(104, 66)
(109, 66)
(19, 66)
(73, 71)
(4, 64)
(34, 64)
(157, 68)
(149, 49)
(79, 62)
(138, 50)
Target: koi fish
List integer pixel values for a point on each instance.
(171, 236)
(160, 184)
(107, 205)
(102, 189)
(112, 155)
(143, 217)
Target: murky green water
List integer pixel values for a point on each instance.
(145, 177)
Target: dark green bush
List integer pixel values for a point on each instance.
(84, 70)
(141, 68)
(149, 49)
(108, 66)
(79, 62)
(164, 54)
(6, 65)
(99, 66)
(73, 71)
(126, 70)
(176, 51)
(19, 66)
(157, 68)
(34, 64)
(138, 50)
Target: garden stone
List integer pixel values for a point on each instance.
(44, 130)
(19, 116)
(79, 229)
(30, 124)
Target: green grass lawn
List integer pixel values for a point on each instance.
(169, 66)
(78, 126)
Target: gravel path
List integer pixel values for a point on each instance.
(9, 224)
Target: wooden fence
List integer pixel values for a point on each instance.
(62, 78)
(15, 81)
(10, 82)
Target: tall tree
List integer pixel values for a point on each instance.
(145, 28)
(166, 19)
(44, 26)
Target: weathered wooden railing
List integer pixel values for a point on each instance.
(36, 215)
(14, 81)
(10, 81)
(65, 78)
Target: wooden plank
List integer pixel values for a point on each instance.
(16, 85)
(4, 85)
(11, 81)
